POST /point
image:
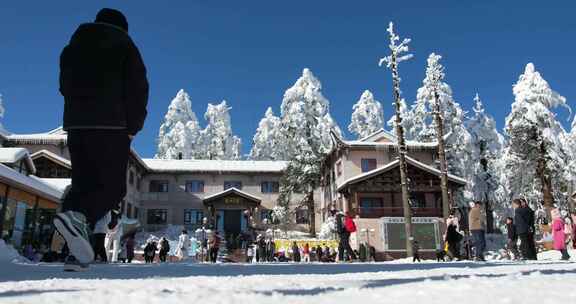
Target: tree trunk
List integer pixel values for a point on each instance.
(545, 181)
(402, 158)
(439, 121)
(311, 213)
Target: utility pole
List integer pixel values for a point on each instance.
(392, 63)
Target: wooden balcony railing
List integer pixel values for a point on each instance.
(398, 211)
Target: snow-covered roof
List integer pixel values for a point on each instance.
(195, 165)
(14, 155)
(29, 183)
(409, 144)
(38, 138)
(52, 156)
(396, 163)
(58, 183)
(235, 191)
(377, 135)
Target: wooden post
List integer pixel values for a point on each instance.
(3, 210)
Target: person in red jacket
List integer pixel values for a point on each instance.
(306, 253)
(346, 226)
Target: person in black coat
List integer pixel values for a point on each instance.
(512, 238)
(522, 224)
(105, 89)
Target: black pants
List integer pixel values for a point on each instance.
(565, 255)
(162, 255)
(99, 162)
(524, 246)
(416, 257)
(98, 241)
(213, 254)
(532, 252)
(344, 246)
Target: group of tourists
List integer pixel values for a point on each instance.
(559, 232)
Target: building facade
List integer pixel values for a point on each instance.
(362, 177)
(230, 196)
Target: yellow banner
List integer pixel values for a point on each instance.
(286, 244)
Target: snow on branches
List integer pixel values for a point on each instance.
(367, 116)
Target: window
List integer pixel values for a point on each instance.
(232, 184)
(339, 168)
(193, 217)
(418, 199)
(157, 216)
(270, 187)
(368, 164)
(131, 177)
(371, 202)
(302, 216)
(138, 183)
(136, 212)
(129, 210)
(195, 186)
(158, 186)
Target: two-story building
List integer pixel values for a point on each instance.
(363, 177)
(231, 195)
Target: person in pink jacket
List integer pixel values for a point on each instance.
(559, 235)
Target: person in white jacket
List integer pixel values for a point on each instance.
(183, 246)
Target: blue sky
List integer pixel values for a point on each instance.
(250, 52)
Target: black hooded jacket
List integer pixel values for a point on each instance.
(103, 80)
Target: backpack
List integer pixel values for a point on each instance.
(350, 225)
(340, 228)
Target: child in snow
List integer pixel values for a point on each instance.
(559, 235)
(416, 251)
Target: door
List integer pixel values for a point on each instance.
(232, 227)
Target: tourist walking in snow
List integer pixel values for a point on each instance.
(295, 253)
(512, 239)
(129, 248)
(477, 223)
(261, 244)
(345, 226)
(533, 253)
(250, 253)
(415, 251)
(214, 246)
(183, 246)
(306, 253)
(559, 234)
(319, 253)
(523, 227)
(150, 251)
(163, 249)
(103, 81)
(453, 237)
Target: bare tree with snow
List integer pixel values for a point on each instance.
(367, 116)
(396, 56)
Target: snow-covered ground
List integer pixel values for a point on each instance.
(543, 281)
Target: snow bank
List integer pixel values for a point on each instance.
(8, 253)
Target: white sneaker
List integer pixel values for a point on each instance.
(74, 228)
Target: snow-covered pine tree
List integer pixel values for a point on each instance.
(182, 141)
(367, 116)
(535, 156)
(217, 138)
(407, 120)
(570, 147)
(486, 145)
(457, 138)
(305, 126)
(266, 143)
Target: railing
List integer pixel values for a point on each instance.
(397, 211)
